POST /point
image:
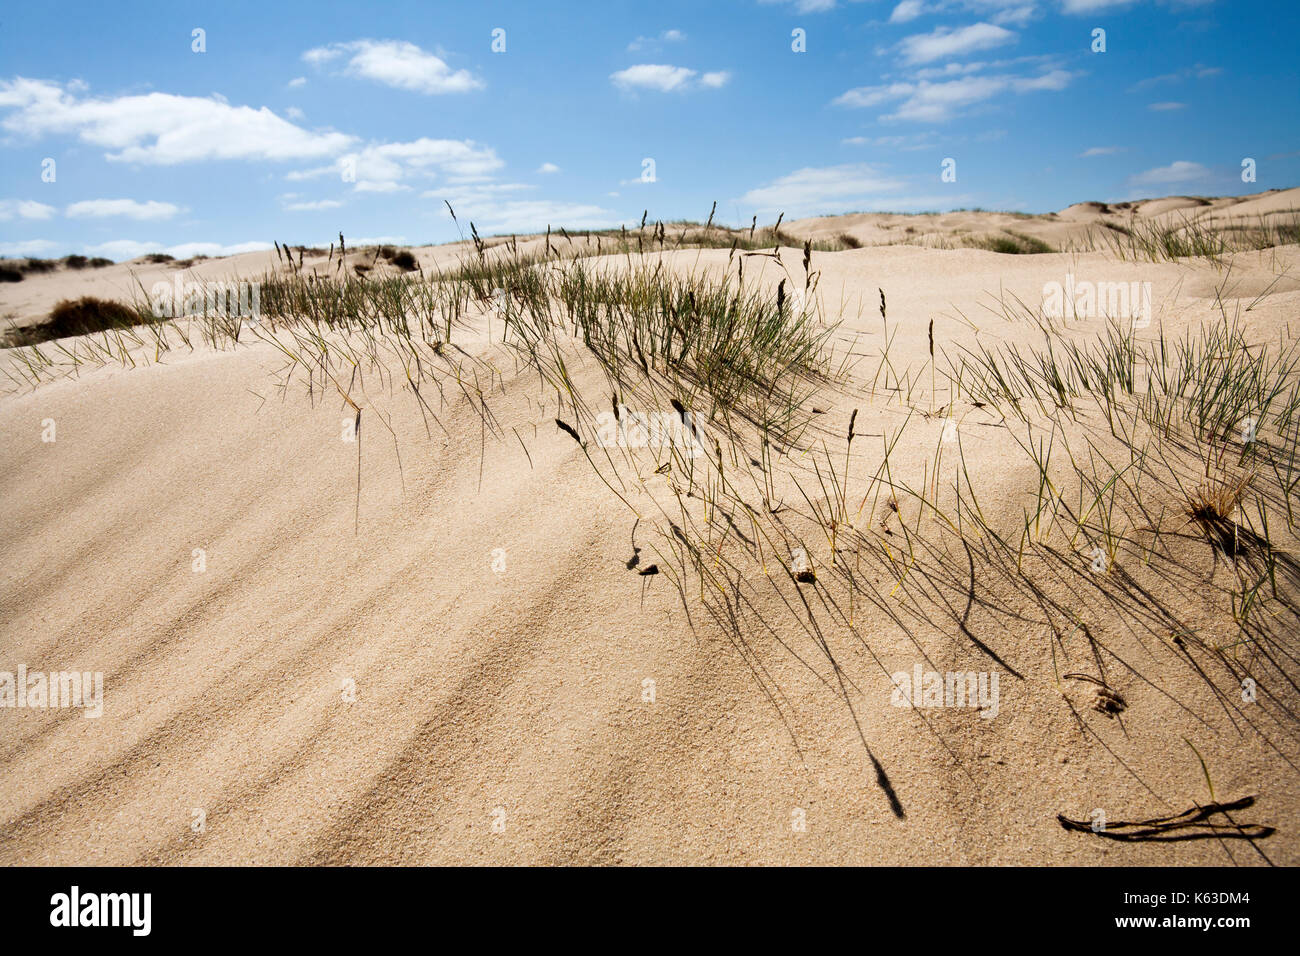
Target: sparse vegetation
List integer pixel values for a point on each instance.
(403, 260)
(1008, 243)
(1157, 240)
(80, 317)
(1128, 443)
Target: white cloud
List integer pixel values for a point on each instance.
(667, 79)
(548, 168)
(908, 143)
(484, 206)
(1017, 15)
(24, 209)
(1054, 80)
(864, 96)
(379, 186)
(536, 215)
(935, 102)
(385, 167)
(1200, 71)
(1101, 151)
(1091, 6)
(298, 81)
(128, 208)
(398, 64)
(477, 193)
(160, 128)
(654, 76)
(907, 11)
(812, 190)
(1166, 107)
(1181, 171)
(946, 42)
(807, 6)
(668, 36)
(952, 70)
(1101, 6)
(28, 247)
(119, 249)
(1016, 12)
(315, 205)
(377, 241)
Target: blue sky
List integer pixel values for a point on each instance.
(301, 120)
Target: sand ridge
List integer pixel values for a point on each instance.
(473, 601)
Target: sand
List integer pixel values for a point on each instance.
(457, 666)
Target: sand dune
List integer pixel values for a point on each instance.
(473, 590)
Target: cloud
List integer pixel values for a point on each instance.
(160, 128)
(906, 143)
(952, 70)
(1199, 72)
(1054, 81)
(476, 193)
(668, 36)
(386, 167)
(1166, 107)
(378, 241)
(28, 247)
(298, 81)
(947, 42)
(1017, 12)
(806, 6)
(312, 205)
(715, 80)
(907, 11)
(494, 208)
(379, 186)
(398, 64)
(654, 76)
(536, 215)
(24, 209)
(935, 102)
(818, 189)
(127, 208)
(548, 168)
(119, 249)
(1092, 6)
(490, 213)
(1181, 171)
(1101, 151)
(1102, 6)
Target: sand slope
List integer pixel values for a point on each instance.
(515, 697)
